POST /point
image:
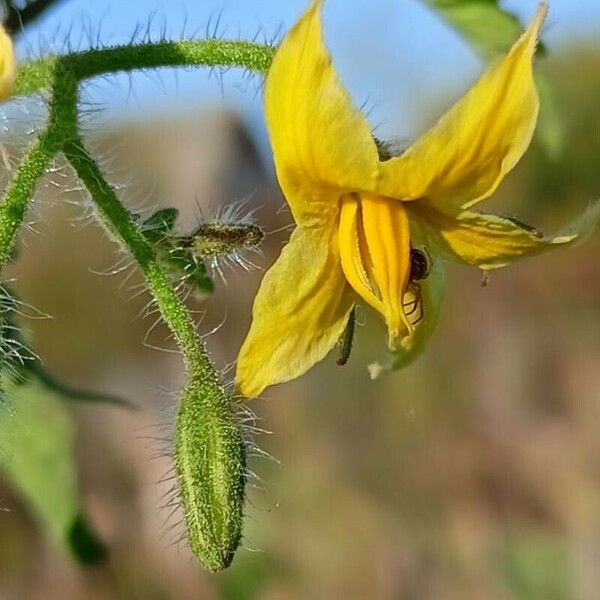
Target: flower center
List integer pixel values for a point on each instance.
(374, 238)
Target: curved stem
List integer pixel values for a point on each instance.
(21, 189)
(38, 75)
(120, 223)
(17, 196)
(209, 452)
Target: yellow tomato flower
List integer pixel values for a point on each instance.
(369, 226)
(8, 65)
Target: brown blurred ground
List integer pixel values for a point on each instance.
(473, 474)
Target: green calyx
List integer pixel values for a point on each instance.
(210, 455)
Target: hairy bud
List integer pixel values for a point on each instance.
(210, 456)
(212, 240)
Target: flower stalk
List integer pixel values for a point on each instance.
(209, 451)
(38, 75)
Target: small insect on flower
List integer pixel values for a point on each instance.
(365, 213)
(413, 297)
(419, 265)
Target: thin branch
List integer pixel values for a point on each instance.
(209, 453)
(39, 74)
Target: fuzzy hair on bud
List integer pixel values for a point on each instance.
(210, 458)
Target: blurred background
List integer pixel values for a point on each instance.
(475, 473)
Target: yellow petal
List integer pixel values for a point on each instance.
(483, 240)
(427, 311)
(299, 313)
(463, 159)
(375, 252)
(319, 139)
(8, 65)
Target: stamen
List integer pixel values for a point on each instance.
(374, 240)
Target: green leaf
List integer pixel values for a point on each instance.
(551, 130)
(492, 31)
(172, 253)
(489, 29)
(180, 261)
(37, 457)
(84, 544)
(160, 224)
(537, 565)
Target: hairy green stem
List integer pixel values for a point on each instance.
(119, 221)
(21, 190)
(17, 196)
(38, 75)
(62, 118)
(209, 452)
(209, 448)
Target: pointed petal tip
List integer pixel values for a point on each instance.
(539, 18)
(542, 8)
(492, 125)
(582, 227)
(305, 101)
(247, 390)
(314, 10)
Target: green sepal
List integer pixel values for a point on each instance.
(175, 256)
(182, 262)
(346, 342)
(210, 458)
(160, 224)
(83, 543)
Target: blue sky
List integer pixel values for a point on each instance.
(395, 55)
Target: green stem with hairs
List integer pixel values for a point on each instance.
(33, 166)
(18, 194)
(209, 450)
(38, 75)
(22, 189)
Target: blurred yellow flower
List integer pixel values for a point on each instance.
(8, 65)
(368, 225)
